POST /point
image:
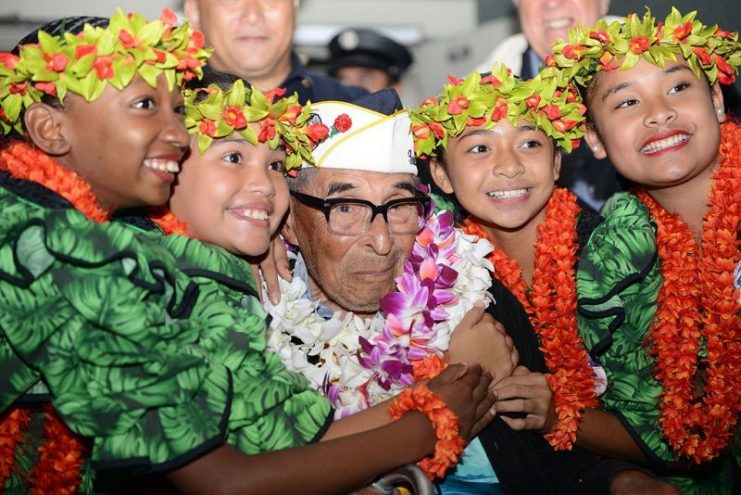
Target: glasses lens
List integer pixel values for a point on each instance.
(349, 218)
(406, 218)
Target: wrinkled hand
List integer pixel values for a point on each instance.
(631, 482)
(272, 265)
(480, 339)
(465, 389)
(526, 392)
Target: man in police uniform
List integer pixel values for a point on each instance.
(254, 40)
(366, 58)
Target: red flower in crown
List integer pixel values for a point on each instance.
(725, 71)
(601, 35)
(457, 105)
(317, 132)
(533, 101)
(83, 50)
(552, 111)
(489, 79)
(207, 127)
(168, 16)
(9, 60)
(276, 93)
(572, 51)
(437, 129)
(723, 33)
(682, 31)
(267, 130)
(421, 131)
(430, 100)
(291, 114)
(609, 62)
(235, 117)
(476, 121)
(342, 123)
(639, 44)
(500, 110)
(704, 57)
(127, 39)
(56, 62)
(47, 87)
(104, 67)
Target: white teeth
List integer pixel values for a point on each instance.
(514, 193)
(664, 143)
(557, 23)
(162, 165)
(250, 213)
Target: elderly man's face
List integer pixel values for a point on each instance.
(351, 272)
(545, 21)
(250, 37)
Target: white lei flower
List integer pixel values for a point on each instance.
(327, 352)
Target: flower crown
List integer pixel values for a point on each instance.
(283, 121)
(620, 45)
(85, 63)
(483, 100)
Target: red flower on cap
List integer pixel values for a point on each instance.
(342, 123)
(9, 60)
(639, 44)
(457, 105)
(317, 132)
(207, 127)
(682, 31)
(500, 110)
(56, 62)
(235, 117)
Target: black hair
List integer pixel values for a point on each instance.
(224, 80)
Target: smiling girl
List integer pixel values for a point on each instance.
(658, 304)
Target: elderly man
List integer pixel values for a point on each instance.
(354, 221)
(542, 23)
(254, 40)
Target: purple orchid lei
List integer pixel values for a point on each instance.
(357, 363)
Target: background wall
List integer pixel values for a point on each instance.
(446, 36)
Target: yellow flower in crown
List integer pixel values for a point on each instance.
(86, 62)
(281, 121)
(711, 51)
(545, 101)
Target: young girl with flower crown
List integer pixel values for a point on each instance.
(149, 349)
(658, 305)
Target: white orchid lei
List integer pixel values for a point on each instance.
(357, 363)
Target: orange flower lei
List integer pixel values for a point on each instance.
(60, 459)
(168, 222)
(25, 161)
(449, 444)
(551, 306)
(697, 301)
(428, 367)
(12, 429)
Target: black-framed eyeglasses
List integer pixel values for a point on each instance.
(349, 216)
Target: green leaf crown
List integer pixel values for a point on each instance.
(85, 63)
(621, 44)
(282, 121)
(546, 101)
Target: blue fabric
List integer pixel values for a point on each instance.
(314, 86)
(472, 475)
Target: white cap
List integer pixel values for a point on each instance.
(368, 140)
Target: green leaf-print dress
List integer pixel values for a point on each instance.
(153, 347)
(618, 282)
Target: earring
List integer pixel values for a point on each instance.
(719, 110)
